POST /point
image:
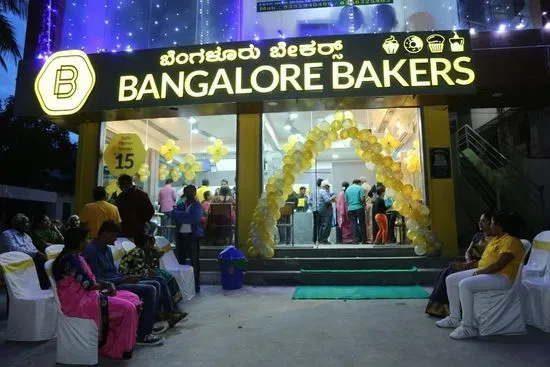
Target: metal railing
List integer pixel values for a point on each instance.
(512, 187)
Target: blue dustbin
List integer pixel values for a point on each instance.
(232, 264)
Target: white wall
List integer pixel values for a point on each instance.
(349, 171)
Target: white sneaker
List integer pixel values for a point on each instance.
(160, 327)
(448, 323)
(461, 333)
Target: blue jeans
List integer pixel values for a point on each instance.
(147, 291)
(325, 224)
(357, 219)
(165, 298)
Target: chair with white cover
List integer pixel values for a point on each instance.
(540, 255)
(536, 292)
(77, 339)
(52, 251)
(127, 246)
(120, 240)
(33, 315)
(118, 253)
(183, 273)
(500, 312)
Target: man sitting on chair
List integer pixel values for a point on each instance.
(17, 239)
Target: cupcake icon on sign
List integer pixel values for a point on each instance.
(436, 43)
(457, 43)
(413, 44)
(390, 45)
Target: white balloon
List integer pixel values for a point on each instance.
(370, 166)
(420, 250)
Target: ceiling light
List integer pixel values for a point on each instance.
(212, 138)
(293, 116)
(502, 28)
(335, 156)
(379, 99)
(195, 131)
(547, 26)
(272, 103)
(472, 31)
(520, 26)
(192, 120)
(288, 127)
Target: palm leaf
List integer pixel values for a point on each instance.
(8, 41)
(17, 7)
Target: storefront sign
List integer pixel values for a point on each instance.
(440, 163)
(322, 67)
(278, 5)
(124, 155)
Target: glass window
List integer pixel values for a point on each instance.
(198, 151)
(341, 164)
(124, 25)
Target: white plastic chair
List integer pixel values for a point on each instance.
(500, 312)
(77, 339)
(118, 253)
(52, 251)
(536, 296)
(183, 273)
(33, 315)
(540, 255)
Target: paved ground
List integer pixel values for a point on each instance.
(264, 327)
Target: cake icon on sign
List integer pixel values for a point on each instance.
(390, 45)
(457, 43)
(436, 43)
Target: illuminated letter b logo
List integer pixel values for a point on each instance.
(65, 81)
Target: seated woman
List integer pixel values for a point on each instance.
(81, 295)
(45, 233)
(497, 270)
(438, 305)
(143, 262)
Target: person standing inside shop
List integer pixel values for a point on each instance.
(167, 201)
(302, 204)
(324, 206)
(202, 189)
(188, 217)
(316, 223)
(355, 196)
(379, 211)
(135, 208)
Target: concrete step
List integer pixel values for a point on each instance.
(326, 251)
(293, 278)
(333, 263)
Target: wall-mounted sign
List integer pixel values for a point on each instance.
(125, 154)
(278, 5)
(321, 67)
(440, 163)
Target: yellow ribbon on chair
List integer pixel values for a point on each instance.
(166, 249)
(53, 255)
(118, 255)
(18, 266)
(541, 245)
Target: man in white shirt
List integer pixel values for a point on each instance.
(17, 239)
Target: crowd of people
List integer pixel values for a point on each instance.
(361, 213)
(134, 303)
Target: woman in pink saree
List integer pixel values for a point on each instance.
(81, 295)
(342, 215)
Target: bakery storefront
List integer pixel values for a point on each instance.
(263, 120)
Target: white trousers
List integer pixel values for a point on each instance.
(462, 286)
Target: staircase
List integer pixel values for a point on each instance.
(336, 265)
(498, 181)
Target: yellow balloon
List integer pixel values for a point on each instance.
(339, 116)
(398, 186)
(308, 145)
(353, 132)
(407, 189)
(344, 134)
(327, 144)
(420, 241)
(377, 147)
(333, 135)
(396, 167)
(364, 135)
(377, 159)
(411, 235)
(416, 195)
(387, 162)
(372, 139)
(336, 125)
(367, 156)
(398, 175)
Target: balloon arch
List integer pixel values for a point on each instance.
(299, 157)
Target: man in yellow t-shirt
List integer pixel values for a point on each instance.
(201, 190)
(497, 270)
(94, 214)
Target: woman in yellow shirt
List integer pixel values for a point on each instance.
(497, 270)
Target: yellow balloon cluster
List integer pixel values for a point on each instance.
(175, 174)
(112, 187)
(190, 166)
(169, 150)
(412, 160)
(390, 142)
(217, 150)
(144, 172)
(163, 172)
(298, 159)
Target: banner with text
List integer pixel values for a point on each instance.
(321, 67)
